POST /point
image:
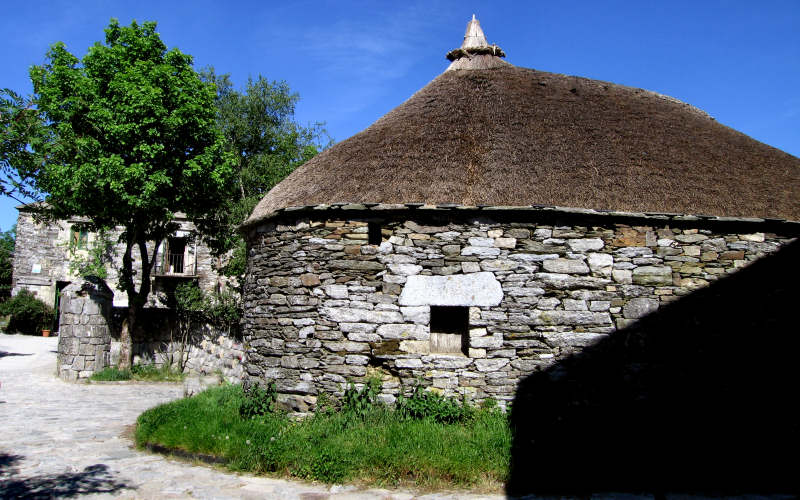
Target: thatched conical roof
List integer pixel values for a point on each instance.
(489, 133)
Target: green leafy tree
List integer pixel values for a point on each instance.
(266, 143)
(7, 240)
(19, 127)
(130, 138)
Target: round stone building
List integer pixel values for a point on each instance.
(498, 223)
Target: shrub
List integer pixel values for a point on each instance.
(28, 314)
(430, 405)
(222, 309)
(258, 401)
(189, 298)
(360, 402)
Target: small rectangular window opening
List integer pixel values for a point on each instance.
(79, 237)
(374, 236)
(450, 330)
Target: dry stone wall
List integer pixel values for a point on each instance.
(204, 350)
(84, 341)
(217, 352)
(324, 307)
(89, 338)
(207, 351)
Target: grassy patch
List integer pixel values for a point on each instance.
(374, 445)
(152, 373)
(146, 373)
(111, 374)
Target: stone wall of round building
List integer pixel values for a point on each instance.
(463, 302)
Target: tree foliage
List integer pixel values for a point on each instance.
(266, 144)
(131, 132)
(130, 138)
(7, 242)
(19, 127)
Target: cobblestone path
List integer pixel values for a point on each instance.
(68, 440)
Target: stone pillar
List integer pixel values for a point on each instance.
(84, 341)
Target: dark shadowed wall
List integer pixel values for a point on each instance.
(700, 396)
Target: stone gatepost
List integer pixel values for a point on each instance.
(84, 340)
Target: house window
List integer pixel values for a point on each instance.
(78, 237)
(450, 330)
(374, 236)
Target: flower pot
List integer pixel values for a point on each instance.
(45, 333)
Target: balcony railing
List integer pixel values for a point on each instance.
(174, 265)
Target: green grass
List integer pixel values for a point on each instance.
(111, 374)
(152, 373)
(378, 447)
(146, 373)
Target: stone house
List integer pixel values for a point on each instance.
(46, 254)
(44, 264)
(500, 221)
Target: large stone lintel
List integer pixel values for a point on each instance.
(474, 289)
(34, 280)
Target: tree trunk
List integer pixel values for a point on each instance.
(129, 323)
(136, 299)
(126, 338)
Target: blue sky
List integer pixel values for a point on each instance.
(351, 62)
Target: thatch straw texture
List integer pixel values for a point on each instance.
(476, 61)
(514, 136)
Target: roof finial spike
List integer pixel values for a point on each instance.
(475, 52)
(474, 36)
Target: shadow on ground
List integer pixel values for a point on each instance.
(93, 479)
(3, 354)
(7, 464)
(699, 397)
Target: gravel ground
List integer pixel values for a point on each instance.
(61, 439)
